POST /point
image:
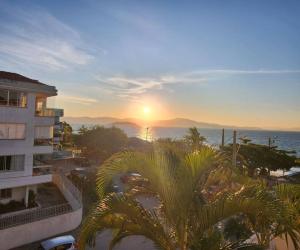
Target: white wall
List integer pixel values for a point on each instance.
(25, 181)
(36, 231)
(23, 147)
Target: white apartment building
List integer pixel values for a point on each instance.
(26, 135)
(26, 129)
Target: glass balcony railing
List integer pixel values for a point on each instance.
(45, 112)
(42, 170)
(43, 142)
(50, 112)
(59, 112)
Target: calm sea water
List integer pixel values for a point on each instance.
(284, 140)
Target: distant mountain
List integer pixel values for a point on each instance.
(185, 123)
(135, 123)
(90, 120)
(125, 124)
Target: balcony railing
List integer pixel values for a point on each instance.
(58, 112)
(43, 142)
(34, 215)
(42, 170)
(45, 112)
(50, 112)
(58, 126)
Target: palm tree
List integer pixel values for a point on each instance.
(194, 139)
(190, 207)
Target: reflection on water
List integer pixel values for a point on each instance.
(291, 172)
(146, 133)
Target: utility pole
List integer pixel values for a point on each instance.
(234, 152)
(223, 139)
(269, 142)
(147, 133)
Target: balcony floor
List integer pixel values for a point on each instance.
(49, 195)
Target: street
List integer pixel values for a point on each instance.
(128, 243)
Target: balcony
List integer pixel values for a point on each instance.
(58, 126)
(58, 112)
(59, 218)
(42, 170)
(45, 112)
(41, 165)
(25, 181)
(43, 142)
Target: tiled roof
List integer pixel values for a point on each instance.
(17, 77)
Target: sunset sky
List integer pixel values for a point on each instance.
(228, 62)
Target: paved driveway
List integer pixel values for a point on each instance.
(102, 243)
(129, 243)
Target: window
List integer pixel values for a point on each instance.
(5, 163)
(5, 193)
(13, 98)
(12, 162)
(3, 97)
(43, 132)
(11, 131)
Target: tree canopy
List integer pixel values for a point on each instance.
(98, 143)
(190, 205)
(262, 157)
(194, 138)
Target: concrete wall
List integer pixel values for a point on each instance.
(25, 181)
(36, 231)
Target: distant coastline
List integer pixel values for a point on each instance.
(173, 123)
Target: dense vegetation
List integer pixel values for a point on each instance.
(98, 143)
(203, 202)
(261, 159)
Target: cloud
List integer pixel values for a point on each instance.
(245, 72)
(77, 99)
(37, 38)
(130, 87)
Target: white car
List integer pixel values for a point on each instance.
(66, 242)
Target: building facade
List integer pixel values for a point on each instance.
(27, 128)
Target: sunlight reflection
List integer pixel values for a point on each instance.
(146, 133)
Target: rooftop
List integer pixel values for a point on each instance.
(20, 82)
(17, 77)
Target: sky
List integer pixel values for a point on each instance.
(229, 62)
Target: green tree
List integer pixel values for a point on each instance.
(98, 143)
(262, 158)
(194, 139)
(67, 134)
(189, 209)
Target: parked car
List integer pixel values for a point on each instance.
(66, 242)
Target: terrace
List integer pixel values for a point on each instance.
(60, 208)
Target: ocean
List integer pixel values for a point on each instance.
(282, 139)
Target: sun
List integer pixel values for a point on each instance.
(146, 110)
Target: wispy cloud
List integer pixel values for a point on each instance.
(245, 72)
(37, 38)
(130, 87)
(77, 99)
